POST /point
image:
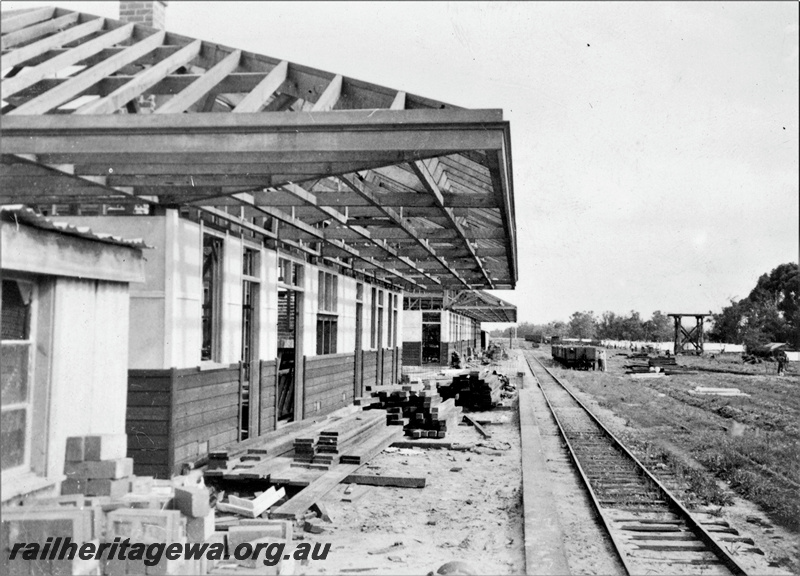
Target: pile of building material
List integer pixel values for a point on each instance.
(418, 408)
(97, 466)
(662, 361)
(255, 458)
(661, 365)
(715, 391)
(141, 510)
(478, 390)
(320, 450)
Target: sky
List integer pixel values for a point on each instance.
(654, 145)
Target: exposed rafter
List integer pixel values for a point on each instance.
(100, 111)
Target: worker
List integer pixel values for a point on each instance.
(782, 363)
(601, 361)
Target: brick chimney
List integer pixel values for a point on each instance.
(147, 12)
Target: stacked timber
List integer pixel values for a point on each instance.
(476, 390)
(253, 458)
(662, 361)
(418, 408)
(435, 420)
(658, 364)
(320, 450)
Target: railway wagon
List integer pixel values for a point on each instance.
(579, 357)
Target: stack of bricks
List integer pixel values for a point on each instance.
(193, 501)
(76, 519)
(97, 466)
(63, 521)
(148, 526)
(255, 532)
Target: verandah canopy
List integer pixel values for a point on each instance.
(413, 190)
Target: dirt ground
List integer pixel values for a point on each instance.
(678, 431)
(470, 509)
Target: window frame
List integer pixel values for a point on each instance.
(327, 312)
(26, 466)
(217, 278)
(327, 334)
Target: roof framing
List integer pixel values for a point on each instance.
(94, 110)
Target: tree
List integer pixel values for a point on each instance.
(730, 323)
(557, 328)
(632, 328)
(770, 313)
(609, 327)
(658, 328)
(582, 325)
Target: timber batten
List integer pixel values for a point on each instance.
(189, 141)
(151, 111)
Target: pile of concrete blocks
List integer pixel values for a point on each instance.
(97, 466)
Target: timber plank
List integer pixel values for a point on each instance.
(148, 398)
(147, 413)
(364, 452)
(35, 49)
(207, 378)
(206, 417)
(159, 456)
(145, 443)
(37, 30)
(205, 431)
(477, 426)
(329, 98)
(149, 384)
(395, 481)
(75, 85)
(316, 490)
(142, 81)
(33, 75)
(202, 85)
(259, 95)
(203, 393)
(147, 427)
(14, 23)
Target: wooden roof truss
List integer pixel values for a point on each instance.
(411, 190)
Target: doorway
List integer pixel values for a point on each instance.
(249, 401)
(287, 339)
(358, 388)
(431, 337)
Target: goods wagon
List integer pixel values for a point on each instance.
(580, 357)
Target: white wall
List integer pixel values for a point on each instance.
(166, 311)
(268, 342)
(231, 338)
(445, 333)
(184, 287)
(88, 382)
(346, 337)
(148, 305)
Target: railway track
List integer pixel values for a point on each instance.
(651, 531)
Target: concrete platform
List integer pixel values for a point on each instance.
(544, 537)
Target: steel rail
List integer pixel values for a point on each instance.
(593, 497)
(671, 500)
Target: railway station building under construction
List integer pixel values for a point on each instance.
(288, 218)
